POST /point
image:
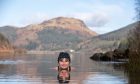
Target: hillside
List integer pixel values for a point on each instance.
(106, 42)
(119, 34)
(4, 44)
(9, 32)
(54, 34)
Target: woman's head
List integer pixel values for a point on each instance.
(64, 60)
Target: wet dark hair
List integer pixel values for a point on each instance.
(64, 55)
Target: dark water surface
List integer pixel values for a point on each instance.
(37, 69)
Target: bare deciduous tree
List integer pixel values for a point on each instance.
(134, 43)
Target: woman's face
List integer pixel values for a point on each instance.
(64, 63)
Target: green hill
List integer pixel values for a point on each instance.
(108, 41)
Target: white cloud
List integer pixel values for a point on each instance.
(101, 30)
(93, 14)
(92, 19)
(97, 20)
(97, 16)
(100, 17)
(33, 19)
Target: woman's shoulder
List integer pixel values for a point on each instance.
(57, 68)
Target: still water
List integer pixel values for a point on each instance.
(38, 69)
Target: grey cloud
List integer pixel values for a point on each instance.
(97, 20)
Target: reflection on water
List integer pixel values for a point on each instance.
(37, 69)
(63, 76)
(104, 79)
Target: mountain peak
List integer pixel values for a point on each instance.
(68, 23)
(64, 22)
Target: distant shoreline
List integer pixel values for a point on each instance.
(12, 51)
(7, 51)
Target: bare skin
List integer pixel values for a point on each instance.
(64, 63)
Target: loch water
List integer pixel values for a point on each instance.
(38, 69)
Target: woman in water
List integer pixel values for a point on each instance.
(64, 67)
(64, 61)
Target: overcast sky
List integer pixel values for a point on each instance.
(101, 16)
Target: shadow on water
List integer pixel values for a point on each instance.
(63, 76)
(134, 78)
(32, 69)
(134, 68)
